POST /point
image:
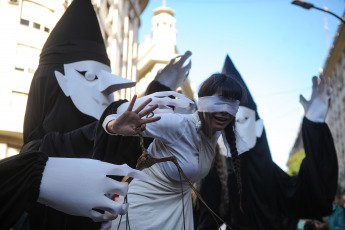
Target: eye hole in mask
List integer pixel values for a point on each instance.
(88, 75)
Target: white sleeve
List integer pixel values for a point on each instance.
(169, 128)
(107, 120)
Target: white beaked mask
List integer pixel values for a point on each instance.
(224, 146)
(90, 85)
(247, 126)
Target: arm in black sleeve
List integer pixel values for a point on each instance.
(20, 179)
(115, 149)
(74, 144)
(155, 86)
(311, 193)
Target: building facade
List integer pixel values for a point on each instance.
(25, 26)
(334, 72)
(158, 49)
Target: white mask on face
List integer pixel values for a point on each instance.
(90, 85)
(247, 126)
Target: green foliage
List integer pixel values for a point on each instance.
(295, 161)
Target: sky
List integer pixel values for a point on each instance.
(276, 46)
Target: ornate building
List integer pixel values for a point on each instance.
(25, 26)
(334, 72)
(157, 50)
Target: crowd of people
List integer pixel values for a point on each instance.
(202, 164)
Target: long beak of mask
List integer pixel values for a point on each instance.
(110, 83)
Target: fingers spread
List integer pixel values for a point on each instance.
(143, 105)
(148, 110)
(150, 120)
(186, 55)
(315, 82)
(172, 61)
(187, 68)
(303, 101)
(322, 84)
(131, 104)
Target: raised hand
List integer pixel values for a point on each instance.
(317, 107)
(129, 121)
(174, 74)
(77, 186)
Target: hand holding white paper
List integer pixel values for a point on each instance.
(173, 75)
(181, 103)
(317, 107)
(77, 186)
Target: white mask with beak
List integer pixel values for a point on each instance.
(90, 84)
(247, 126)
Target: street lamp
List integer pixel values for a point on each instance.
(307, 5)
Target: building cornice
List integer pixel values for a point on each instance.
(335, 52)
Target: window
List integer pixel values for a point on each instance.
(27, 58)
(14, 2)
(19, 69)
(38, 15)
(24, 22)
(36, 25)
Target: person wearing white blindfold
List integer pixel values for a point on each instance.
(190, 137)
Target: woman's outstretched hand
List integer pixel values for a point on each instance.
(129, 122)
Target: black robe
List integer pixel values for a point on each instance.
(20, 179)
(21, 175)
(270, 197)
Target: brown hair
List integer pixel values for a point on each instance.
(229, 88)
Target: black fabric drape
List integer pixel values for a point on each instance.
(270, 197)
(88, 141)
(48, 109)
(77, 144)
(20, 179)
(310, 194)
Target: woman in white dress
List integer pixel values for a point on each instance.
(157, 204)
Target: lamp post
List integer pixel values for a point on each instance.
(307, 5)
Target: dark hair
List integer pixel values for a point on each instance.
(229, 88)
(225, 83)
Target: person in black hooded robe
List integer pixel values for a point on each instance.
(269, 197)
(73, 69)
(59, 123)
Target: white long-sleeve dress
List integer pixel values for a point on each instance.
(157, 204)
